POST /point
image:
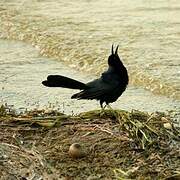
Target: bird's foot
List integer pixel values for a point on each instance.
(102, 112)
(109, 107)
(112, 111)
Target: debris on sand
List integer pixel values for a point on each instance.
(118, 145)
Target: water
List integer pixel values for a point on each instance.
(22, 70)
(79, 34)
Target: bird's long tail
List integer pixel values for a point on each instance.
(62, 81)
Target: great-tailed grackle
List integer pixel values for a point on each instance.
(107, 88)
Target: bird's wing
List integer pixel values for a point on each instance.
(97, 89)
(86, 94)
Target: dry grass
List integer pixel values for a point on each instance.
(118, 145)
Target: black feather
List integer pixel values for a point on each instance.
(62, 81)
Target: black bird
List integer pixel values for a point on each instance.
(106, 89)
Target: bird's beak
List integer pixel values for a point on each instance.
(116, 52)
(112, 51)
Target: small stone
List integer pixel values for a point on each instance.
(75, 151)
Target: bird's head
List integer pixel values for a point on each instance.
(114, 60)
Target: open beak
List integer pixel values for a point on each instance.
(116, 52)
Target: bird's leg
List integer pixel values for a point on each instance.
(101, 103)
(112, 110)
(105, 106)
(102, 108)
(109, 107)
